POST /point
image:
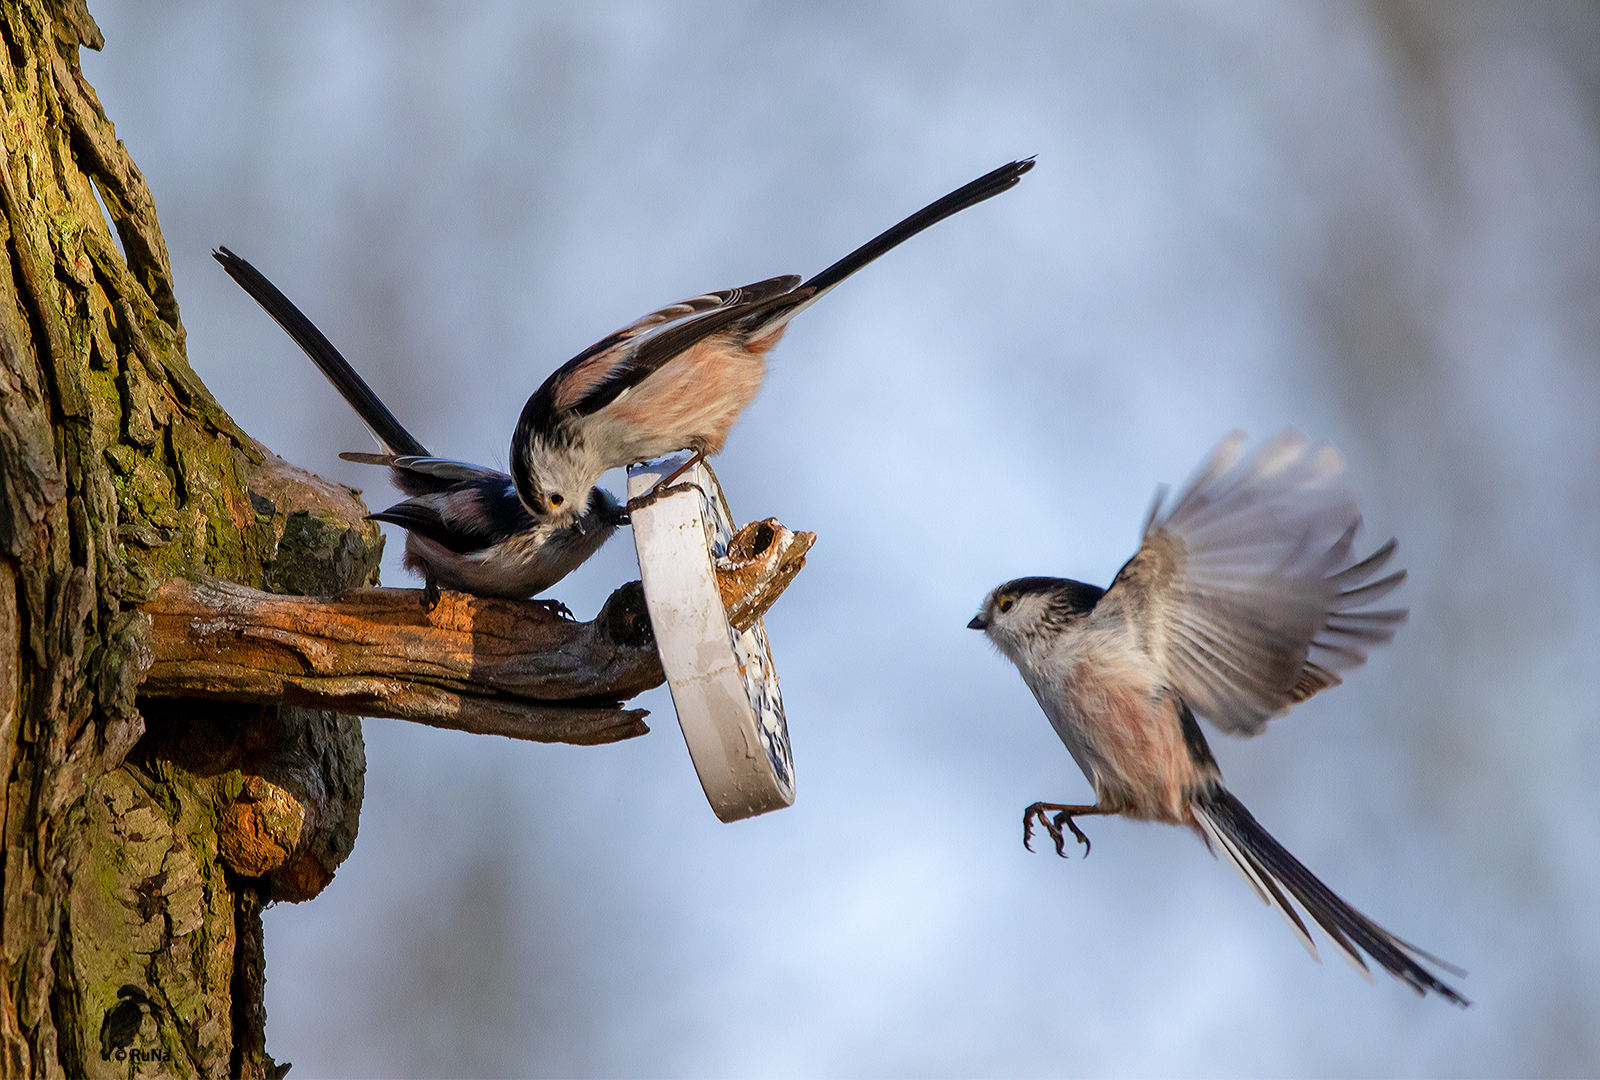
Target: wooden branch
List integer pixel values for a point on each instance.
(501, 667)
(494, 667)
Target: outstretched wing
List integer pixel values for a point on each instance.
(1245, 586)
(424, 519)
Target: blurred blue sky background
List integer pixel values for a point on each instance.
(1377, 222)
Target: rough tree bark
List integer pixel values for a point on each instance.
(167, 767)
(136, 861)
(125, 929)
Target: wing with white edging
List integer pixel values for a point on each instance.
(1246, 587)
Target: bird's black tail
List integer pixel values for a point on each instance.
(354, 389)
(984, 187)
(1269, 869)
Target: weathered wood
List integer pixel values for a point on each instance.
(141, 835)
(761, 560)
(502, 667)
(118, 470)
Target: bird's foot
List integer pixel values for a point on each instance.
(430, 595)
(654, 495)
(556, 608)
(1053, 825)
(665, 486)
(1064, 818)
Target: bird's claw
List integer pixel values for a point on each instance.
(649, 498)
(557, 608)
(1065, 818)
(665, 485)
(1053, 826)
(1037, 810)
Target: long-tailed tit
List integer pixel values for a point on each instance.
(678, 378)
(1242, 601)
(466, 529)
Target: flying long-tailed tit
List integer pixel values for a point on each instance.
(1242, 601)
(466, 529)
(678, 378)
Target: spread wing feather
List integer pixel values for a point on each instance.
(436, 467)
(473, 513)
(1247, 585)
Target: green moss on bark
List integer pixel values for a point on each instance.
(117, 471)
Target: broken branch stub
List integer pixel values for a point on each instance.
(761, 560)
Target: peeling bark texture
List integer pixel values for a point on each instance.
(135, 862)
(501, 667)
(761, 560)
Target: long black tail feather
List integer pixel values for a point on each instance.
(776, 313)
(984, 187)
(764, 315)
(1262, 861)
(352, 387)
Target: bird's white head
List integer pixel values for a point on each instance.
(556, 487)
(1031, 613)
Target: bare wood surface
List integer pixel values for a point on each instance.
(762, 559)
(502, 667)
(494, 667)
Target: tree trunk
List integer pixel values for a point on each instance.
(147, 820)
(135, 863)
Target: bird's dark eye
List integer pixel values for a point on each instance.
(557, 500)
(1006, 604)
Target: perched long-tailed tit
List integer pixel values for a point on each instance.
(678, 378)
(465, 527)
(1243, 600)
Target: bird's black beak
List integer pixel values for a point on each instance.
(978, 623)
